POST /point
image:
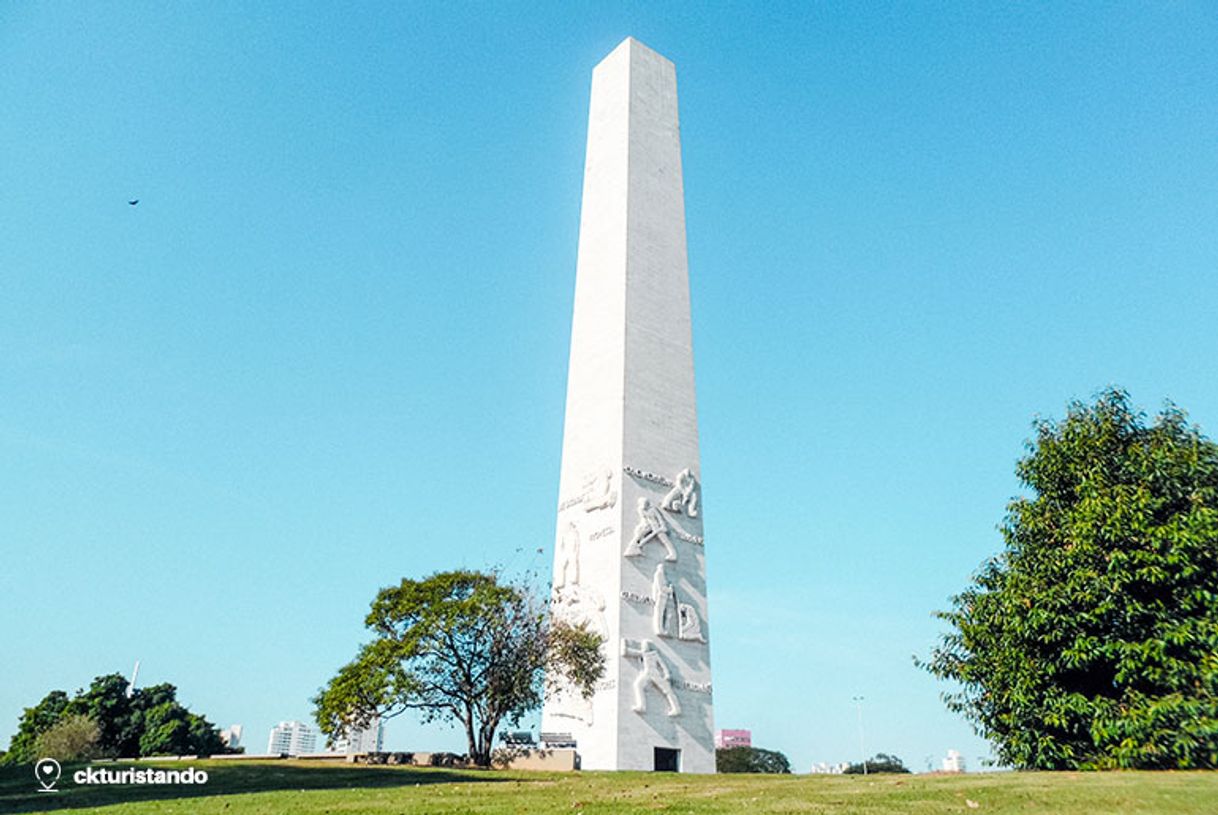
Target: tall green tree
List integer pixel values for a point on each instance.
(148, 722)
(73, 738)
(457, 646)
(877, 764)
(118, 717)
(166, 731)
(1091, 640)
(34, 722)
(750, 760)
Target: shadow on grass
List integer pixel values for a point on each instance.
(19, 789)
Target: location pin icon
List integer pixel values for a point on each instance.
(47, 772)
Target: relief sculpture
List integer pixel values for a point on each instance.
(670, 618)
(575, 605)
(651, 526)
(664, 612)
(599, 491)
(652, 671)
(683, 497)
(580, 605)
(688, 625)
(567, 557)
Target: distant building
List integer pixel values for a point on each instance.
(231, 736)
(733, 738)
(954, 763)
(362, 740)
(293, 738)
(829, 769)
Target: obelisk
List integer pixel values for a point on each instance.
(629, 557)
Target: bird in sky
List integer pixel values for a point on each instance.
(134, 201)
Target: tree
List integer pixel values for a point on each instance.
(879, 763)
(1091, 641)
(750, 760)
(203, 738)
(148, 722)
(457, 646)
(105, 701)
(73, 738)
(165, 731)
(34, 722)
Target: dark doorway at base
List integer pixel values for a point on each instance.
(667, 760)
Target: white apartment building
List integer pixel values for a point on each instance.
(231, 736)
(293, 738)
(954, 763)
(824, 768)
(362, 740)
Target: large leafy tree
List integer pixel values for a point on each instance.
(877, 764)
(1091, 640)
(750, 760)
(457, 646)
(35, 721)
(118, 717)
(72, 738)
(148, 722)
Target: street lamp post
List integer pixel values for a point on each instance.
(858, 701)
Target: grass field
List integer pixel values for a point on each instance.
(263, 788)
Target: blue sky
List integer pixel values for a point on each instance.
(327, 349)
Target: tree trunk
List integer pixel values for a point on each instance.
(486, 742)
(471, 739)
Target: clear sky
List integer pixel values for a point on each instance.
(327, 349)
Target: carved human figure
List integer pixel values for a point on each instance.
(580, 605)
(664, 603)
(683, 497)
(566, 700)
(688, 625)
(651, 526)
(568, 557)
(652, 671)
(600, 492)
(575, 605)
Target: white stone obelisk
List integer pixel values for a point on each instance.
(629, 556)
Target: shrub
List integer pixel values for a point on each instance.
(72, 738)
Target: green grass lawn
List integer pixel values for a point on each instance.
(247, 788)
